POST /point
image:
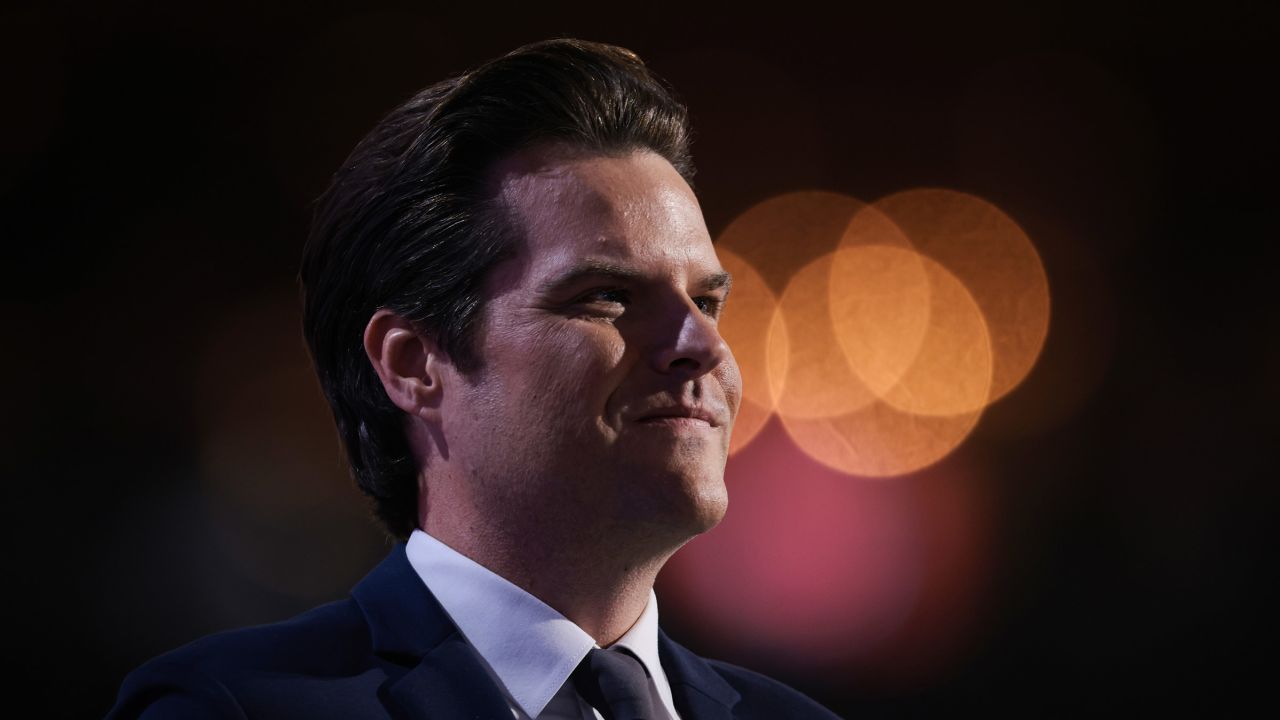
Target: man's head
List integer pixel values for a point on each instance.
(511, 274)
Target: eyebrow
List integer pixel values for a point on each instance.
(621, 273)
(718, 280)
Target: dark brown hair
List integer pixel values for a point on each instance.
(409, 223)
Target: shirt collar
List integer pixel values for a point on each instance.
(531, 648)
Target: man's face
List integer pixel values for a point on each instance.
(606, 394)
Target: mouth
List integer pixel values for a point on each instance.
(682, 417)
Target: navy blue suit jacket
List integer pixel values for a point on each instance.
(390, 651)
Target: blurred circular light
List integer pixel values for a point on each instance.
(880, 440)
(782, 234)
(879, 299)
(994, 259)
(879, 333)
(810, 376)
(834, 416)
(746, 316)
(811, 571)
(951, 371)
(805, 564)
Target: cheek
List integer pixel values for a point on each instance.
(576, 362)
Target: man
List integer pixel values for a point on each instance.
(511, 300)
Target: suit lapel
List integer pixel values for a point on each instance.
(449, 684)
(433, 674)
(698, 690)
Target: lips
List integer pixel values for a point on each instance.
(676, 413)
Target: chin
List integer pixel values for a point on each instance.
(710, 506)
(692, 505)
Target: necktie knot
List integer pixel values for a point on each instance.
(616, 683)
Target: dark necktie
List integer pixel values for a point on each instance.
(616, 684)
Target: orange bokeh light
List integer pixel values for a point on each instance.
(782, 234)
(996, 261)
(880, 440)
(809, 376)
(951, 371)
(879, 333)
(879, 300)
(925, 346)
(751, 308)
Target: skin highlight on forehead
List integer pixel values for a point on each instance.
(591, 206)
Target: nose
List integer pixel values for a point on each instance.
(693, 347)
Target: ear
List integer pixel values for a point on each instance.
(408, 363)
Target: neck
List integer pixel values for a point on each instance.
(586, 573)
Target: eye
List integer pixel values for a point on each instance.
(601, 303)
(606, 296)
(710, 305)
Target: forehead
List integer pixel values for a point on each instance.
(632, 209)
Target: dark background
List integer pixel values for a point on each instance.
(171, 469)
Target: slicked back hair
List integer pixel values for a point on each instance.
(409, 223)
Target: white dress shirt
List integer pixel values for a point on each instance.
(529, 648)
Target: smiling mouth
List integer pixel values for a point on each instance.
(677, 421)
(686, 417)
